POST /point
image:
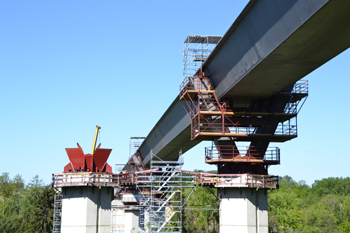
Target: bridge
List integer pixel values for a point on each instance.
(268, 48)
(248, 89)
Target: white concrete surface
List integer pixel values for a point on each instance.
(132, 221)
(125, 219)
(243, 210)
(86, 209)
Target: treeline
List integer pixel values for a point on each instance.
(25, 207)
(297, 207)
(293, 208)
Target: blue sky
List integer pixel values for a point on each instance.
(67, 66)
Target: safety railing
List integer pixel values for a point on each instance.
(297, 99)
(238, 180)
(301, 87)
(231, 153)
(273, 154)
(115, 180)
(208, 102)
(88, 178)
(195, 83)
(224, 126)
(287, 128)
(242, 130)
(213, 125)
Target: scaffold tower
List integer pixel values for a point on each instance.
(135, 143)
(161, 198)
(196, 50)
(135, 162)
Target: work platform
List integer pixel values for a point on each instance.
(213, 118)
(196, 178)
(92, 179)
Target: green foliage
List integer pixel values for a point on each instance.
(199, 214)
(25, 208)
(285, 207)
(339, 186)
(345, 227)
(323, 207)
(295, 207)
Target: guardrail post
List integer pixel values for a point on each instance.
(264, 185)
(251, 180)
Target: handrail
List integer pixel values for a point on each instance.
(232, 153)
(301, 87)
(240, 180)
(99, 179)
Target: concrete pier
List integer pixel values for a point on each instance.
(243, 210)
(86, 209)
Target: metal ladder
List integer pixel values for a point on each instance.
(57, 211)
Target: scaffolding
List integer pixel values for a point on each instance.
(196, 50)
(135, 143)
(211, 118)
(57, 211)
(135, 161)
(161, 196)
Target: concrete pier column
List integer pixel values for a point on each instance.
(86, 209)
(243, 210)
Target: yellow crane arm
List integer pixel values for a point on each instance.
(95, 139)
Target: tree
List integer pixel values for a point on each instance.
(284, 211)
(42, 214)
(25, 208)
(203, 219)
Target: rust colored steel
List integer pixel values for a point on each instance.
(80, 162)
